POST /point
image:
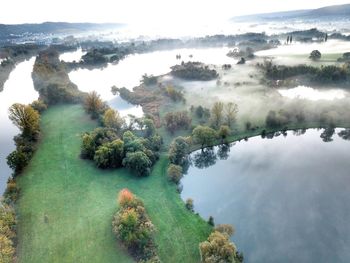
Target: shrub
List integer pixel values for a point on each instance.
(204, 135)
(133, 227)
(217, 248)
(189, 204)
(174, 173)
(18, 160)
(315, 55)
(177, 120)
(178, 150)
(211, 221)
(225, 229)
(138, 162)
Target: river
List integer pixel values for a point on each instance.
(287, 197)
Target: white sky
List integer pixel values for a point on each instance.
(144, 12)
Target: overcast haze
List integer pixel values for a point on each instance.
(145, 12)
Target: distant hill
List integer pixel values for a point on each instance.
(324, 12)
(51, 28)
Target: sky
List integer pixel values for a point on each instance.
(179, 12)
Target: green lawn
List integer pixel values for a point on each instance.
(66, 204)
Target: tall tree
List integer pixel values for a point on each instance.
(204, 135)
(217, 113)
(26, 119)
(93, 104)
(231, 110)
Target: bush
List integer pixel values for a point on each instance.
(217, 248)
(194, 71)
(203, 135)
(174, 173)
(133, 227)
(138, 162)
(178, 150)
(225, 229)
(177, 120)
(315, 55)
(18, 160)
(7, 234)
(189, 204)
(211, 221)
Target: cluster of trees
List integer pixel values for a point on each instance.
(223, 114)
(319, 74)
(282, 117)
(27, 119)
(116, 144)
(201, 112)
(177, 120)
(174, 94)
(94, 105)
(194, 71)
(218, 247)
(7, 233)
(177, 153)
(134, 229)
(51, 80)
(345, 57)
(248, 52)
(101, 56)
(149, 80)
(110, 148)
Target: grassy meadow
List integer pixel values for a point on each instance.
(66, 205)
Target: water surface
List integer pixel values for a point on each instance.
(288, 197)
(18, 88)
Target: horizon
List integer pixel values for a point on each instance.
(151, 13)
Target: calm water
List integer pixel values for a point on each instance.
(128, 72)
(288, 197)
(17, 89)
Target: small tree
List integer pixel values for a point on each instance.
(211, 221)
(189, 204)
(217, 113)
(217, 248)
(204, 135)
(174, 173)
(225, 229)
(138, 162)
(26, 119)
(224, 131)
(178, 150)
(315, 55)
(93, 104)
(112, 119)
(231, 110)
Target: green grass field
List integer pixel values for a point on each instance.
(66, 204)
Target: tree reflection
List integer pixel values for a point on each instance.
(299, 132)
(327, 134)
(204, 158)
(344, 134)
(223, 151)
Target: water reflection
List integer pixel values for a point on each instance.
(287, 197)
(17, 89)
